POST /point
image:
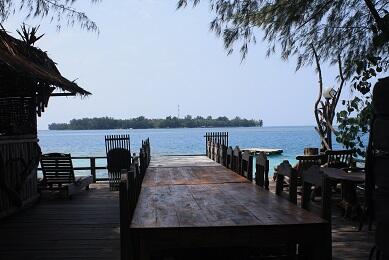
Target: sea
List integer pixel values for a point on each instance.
(180, 141)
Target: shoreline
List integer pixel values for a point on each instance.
(165, 128)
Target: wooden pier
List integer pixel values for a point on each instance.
(267, 151)
(87, 227)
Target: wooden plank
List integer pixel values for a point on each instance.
(214, 194)
(86, 227)
(188, 175)
(188, 201)
(181, 161)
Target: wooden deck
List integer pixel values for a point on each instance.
(87, 227)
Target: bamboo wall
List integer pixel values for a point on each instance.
(19, 157)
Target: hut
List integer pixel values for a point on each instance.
(28, 78)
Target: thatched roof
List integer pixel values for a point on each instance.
(20, 60)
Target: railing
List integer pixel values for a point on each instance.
(92, 166)
(220, 138)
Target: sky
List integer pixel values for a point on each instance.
(148, 58)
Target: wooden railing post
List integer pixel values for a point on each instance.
(124, 215)
(93, 168)
(206, 144)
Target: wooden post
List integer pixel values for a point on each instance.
(131, 192)
(311, 151)
(206, 144)
(93, 168)
(293, 186)
(267, 175)
(326, 198)
(124, 216)
(306, 194)
(279, 184)
(250, 168)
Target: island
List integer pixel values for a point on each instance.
(141, 122)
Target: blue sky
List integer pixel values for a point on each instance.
(149, 58)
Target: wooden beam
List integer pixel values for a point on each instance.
(62, 94)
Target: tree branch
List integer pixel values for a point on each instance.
(318, 68)
(339, 91)
(375, 14)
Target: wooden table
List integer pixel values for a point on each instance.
(349, 180)
(197, 203)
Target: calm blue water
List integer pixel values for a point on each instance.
(182, 141)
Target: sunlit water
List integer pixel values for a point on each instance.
(291, 140)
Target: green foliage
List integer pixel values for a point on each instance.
(354, 123)
(59, 11)
(144, 123)
(354, 120)
(345, 27)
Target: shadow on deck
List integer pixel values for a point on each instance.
(87, 227)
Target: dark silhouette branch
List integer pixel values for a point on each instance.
(375, 14)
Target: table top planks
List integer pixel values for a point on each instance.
(181, 161)
(191, 175)
(341, 175)
(193, 191)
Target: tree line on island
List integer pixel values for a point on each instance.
(145, 123)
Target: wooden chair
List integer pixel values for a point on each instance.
(117, 159)
(58, 174)
(339, 158)
(236, 158)
(209, 149)
(146, 148)
(286, 170)
(212, 147)
(295, 174)
(142, 162)
(223, 155)
(304, 163)
(229, 157)
(312, 177)
(246, 165)
(262, 170)
(217, 153)
(117, 141)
